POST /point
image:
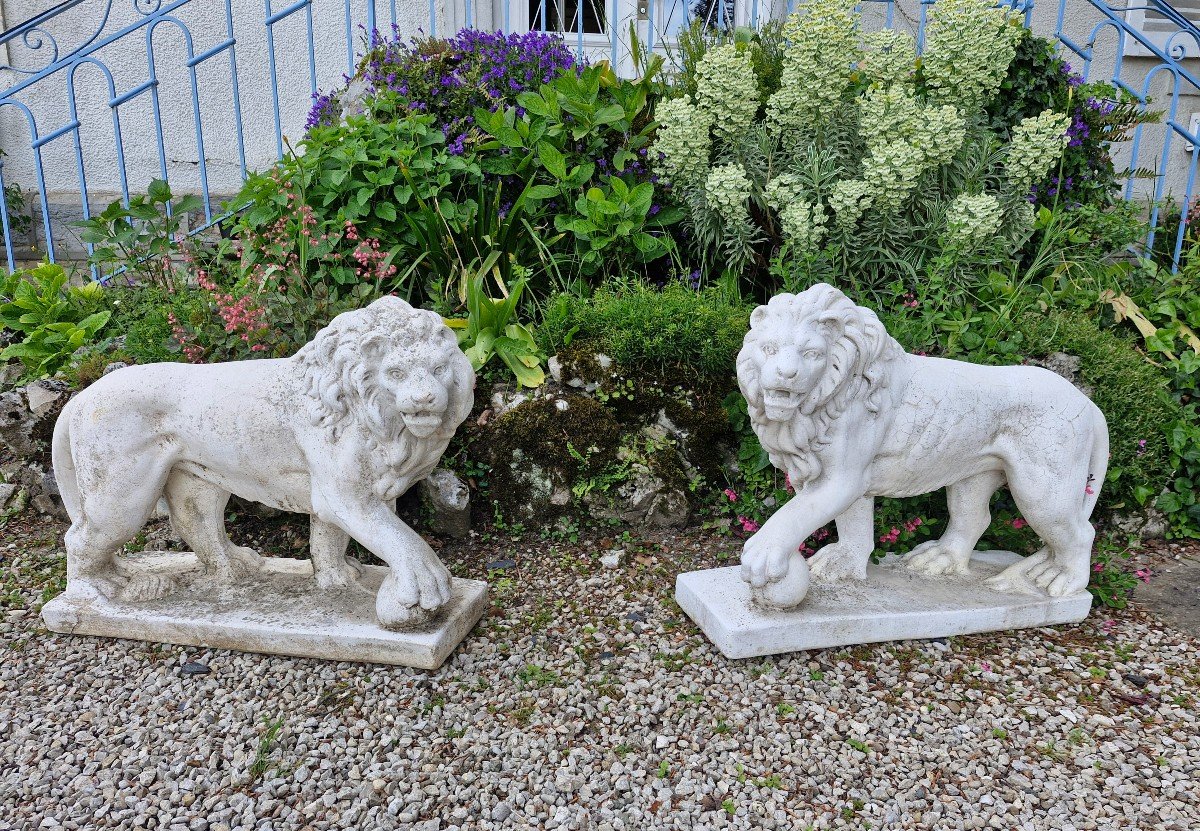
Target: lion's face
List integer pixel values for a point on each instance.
(792, 363)
(420, 381)
(420, 391)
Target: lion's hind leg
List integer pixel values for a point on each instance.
(114, 503)
(1056, 510)
(198, 515)
(968, 501)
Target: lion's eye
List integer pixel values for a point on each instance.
(812, 354)
(769, 349)
(396, 373)
(441, 370)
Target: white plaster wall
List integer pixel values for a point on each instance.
(49, 98)
(1174, 166)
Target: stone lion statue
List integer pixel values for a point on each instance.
(849, 415)
(338, 431)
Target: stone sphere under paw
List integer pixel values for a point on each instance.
(788, 592)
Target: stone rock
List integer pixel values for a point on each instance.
(27, 416)
(113, 367)
(1065, 366)
(338, 431)
(501, 811)
(1146, 524)
(46, 396)
(643, 499)
(7, 492)
(449, 500)
(613, 559)
(505, 399)
(10, 373)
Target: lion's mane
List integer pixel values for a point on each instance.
(860, 350)
(338, 367)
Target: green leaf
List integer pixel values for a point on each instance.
(539, 192)
(533, 103)
(517, 356)
(159, 191)
(385, 211)
(552, 159)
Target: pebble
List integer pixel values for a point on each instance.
(553, 714)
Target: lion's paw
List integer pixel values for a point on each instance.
(1016, 578)
(838, 562)
(412, 592)
(935, 559)
(146, 587)
(1057, 579)
(244, 560)
(344, 575)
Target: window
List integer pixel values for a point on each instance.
(1172, 37)
(563, 16)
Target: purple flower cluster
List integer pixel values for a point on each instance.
(450, 78)
(1072, 79)
(1102, 107)
(1078, 131)
(324, 112)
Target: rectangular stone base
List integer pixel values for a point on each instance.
(893, 603)
(281, 611)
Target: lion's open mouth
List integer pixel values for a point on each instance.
(780, 403)
(422, 424)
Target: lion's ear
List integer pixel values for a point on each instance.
(758, 316)
(833, 323)
(374, 346)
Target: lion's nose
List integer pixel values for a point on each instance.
(788, 371)
(427, 398)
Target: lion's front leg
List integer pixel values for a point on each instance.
(848, 557)
(765, 556)
(417, 584)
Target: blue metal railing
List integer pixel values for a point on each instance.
(97, 96)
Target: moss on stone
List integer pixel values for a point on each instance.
(558, 447)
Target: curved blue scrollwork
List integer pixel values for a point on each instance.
(34, 36)
(147, 7)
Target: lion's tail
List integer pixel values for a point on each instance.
(1098, 466)
(64, 465)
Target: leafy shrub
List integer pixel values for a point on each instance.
(1130, 392)
(337, 213)
(53, 319)
(1101, 115)
(868, 165)
(638, 325)
(491, 328)
(579, 144)
(139, 237)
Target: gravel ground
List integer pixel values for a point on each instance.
(585, 699)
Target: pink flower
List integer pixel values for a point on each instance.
(1019, 523)
(913, 524)
(985, 666)
(731, 494)
(1098, 567)
(1108, 626)
(890, 536)
(748, 525)
(1143, 574)
(1088, 490)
